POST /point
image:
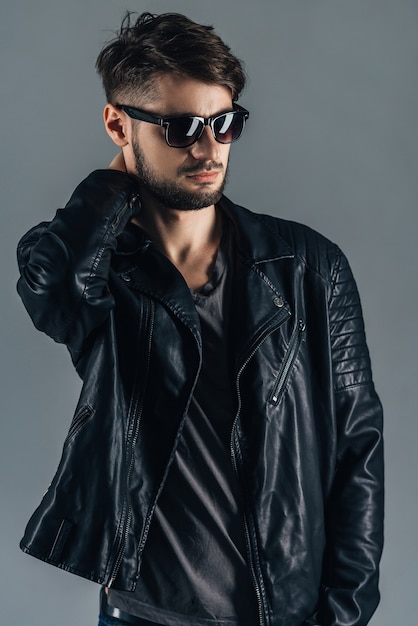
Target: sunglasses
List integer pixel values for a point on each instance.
(183, 131)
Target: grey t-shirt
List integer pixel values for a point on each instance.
(194, 568)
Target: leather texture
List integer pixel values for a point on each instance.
(307, 437)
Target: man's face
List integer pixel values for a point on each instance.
(181, 178)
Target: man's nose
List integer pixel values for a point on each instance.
(206, 147)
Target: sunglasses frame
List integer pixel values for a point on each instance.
(143, 116)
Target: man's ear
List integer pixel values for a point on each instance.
(116, 124)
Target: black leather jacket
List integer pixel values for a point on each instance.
(306, 442)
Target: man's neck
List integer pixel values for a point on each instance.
(190, 239)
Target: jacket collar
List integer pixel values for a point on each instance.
(258, 242)
(258, 238)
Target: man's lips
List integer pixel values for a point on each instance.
(204, 176)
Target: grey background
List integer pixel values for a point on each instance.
(332, 142)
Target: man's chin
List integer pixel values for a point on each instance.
(194, 201)
(182, 199)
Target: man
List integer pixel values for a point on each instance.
(224, 464)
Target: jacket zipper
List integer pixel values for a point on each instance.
(257, 585)
(235, 450)
(127, 511)
(148, 520)
(126, 205)
(293, 349)
(78, 421)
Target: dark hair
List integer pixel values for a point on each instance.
(160, 44)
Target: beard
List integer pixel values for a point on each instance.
(170, 194)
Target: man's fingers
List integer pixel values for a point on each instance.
(118, 163)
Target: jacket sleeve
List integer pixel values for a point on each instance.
(349, 593)
(64, 264)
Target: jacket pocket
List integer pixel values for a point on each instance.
(287, 364)
(79, 420)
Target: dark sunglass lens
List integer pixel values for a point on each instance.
(183, 131)
(228, 127)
